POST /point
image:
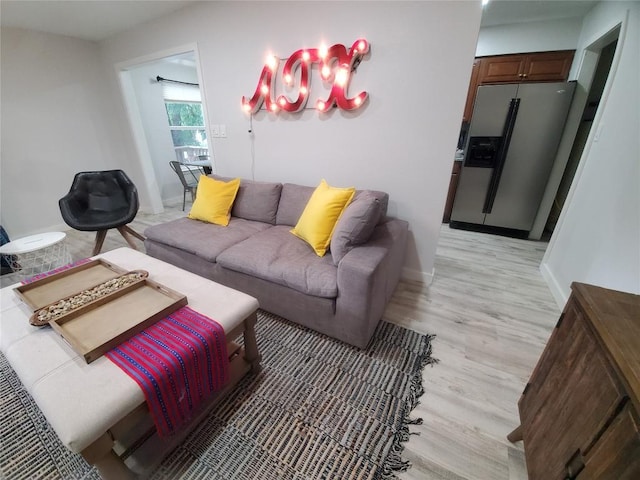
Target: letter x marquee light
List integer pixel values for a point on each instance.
(335, 64)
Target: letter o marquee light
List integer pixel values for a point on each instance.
(335, 64)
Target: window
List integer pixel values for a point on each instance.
(186, 123)
(184, 111)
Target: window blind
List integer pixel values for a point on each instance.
(177, 92)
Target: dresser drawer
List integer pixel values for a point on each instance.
(571, 397)
(616, 454)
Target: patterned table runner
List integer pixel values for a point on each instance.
(178, 362)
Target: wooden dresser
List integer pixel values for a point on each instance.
(580, 411)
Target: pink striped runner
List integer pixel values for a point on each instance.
(178, 362)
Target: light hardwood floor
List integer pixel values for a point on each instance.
(492, 314)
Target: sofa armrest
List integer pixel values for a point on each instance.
(368, 276)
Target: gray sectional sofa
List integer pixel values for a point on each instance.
(342, 294)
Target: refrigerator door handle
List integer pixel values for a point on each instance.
(509, 125)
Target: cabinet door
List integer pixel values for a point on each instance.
(471, 93)
(571, 396)
(547, 66)
(503, 69)
(616, 455)
(451, 195)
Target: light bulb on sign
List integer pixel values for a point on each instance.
(264, 89)
(323, 51)
(274, 107)
(320, 105)
(272, 62)
(342, 76)
(325, 71)
(357, 101)
(287, 79)
(306, 56)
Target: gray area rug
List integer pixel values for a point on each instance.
(319, 409)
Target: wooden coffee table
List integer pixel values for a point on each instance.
(96, 409)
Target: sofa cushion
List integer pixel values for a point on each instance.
(320, 215)
(206, 240)
(293, 199)
(214, 200)
(355, 225)
(256, 200)
(383, 198)
(277, 256)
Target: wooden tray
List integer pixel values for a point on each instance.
(63, 284)
(84, 298)
(102, 325)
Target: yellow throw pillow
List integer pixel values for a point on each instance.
(214, 200)
(319, 218)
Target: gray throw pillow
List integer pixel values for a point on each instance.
(255, 200)
(355, 225)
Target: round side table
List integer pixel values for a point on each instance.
(35, 254)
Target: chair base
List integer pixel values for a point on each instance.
(124, 230)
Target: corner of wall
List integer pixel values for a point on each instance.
(418, 276)
(554, 286)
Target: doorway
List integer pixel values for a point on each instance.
(154, 132)
(601, 74)
(594, 68)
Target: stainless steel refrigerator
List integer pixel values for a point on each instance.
(510, 149)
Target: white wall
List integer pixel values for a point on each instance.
(57, 120)
(402, 142)
(597, 239)
(541, 36)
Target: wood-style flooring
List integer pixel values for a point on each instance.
(492, 314)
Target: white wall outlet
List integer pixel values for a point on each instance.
(215, 131)
(223, 130)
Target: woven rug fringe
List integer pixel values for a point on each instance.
(393, 463)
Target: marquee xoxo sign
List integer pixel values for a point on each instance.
(335, 63)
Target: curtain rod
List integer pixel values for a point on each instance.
(160, 79)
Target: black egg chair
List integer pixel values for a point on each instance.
(99, 201)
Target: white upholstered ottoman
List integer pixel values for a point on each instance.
(96, 409)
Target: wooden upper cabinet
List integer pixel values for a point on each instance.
(502, 69)
(526, 67)
(517, 68)
(547, 66)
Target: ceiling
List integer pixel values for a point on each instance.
(501, 12)
(96, 20)
(92, 20)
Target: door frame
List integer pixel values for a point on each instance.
(134, 115)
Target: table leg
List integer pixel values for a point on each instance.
(516, 435)
(251, 353)
(109, 465)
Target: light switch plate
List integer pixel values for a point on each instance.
(215, 131)
(223, 130)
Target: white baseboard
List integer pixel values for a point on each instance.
(559, 296)
(417, 275)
